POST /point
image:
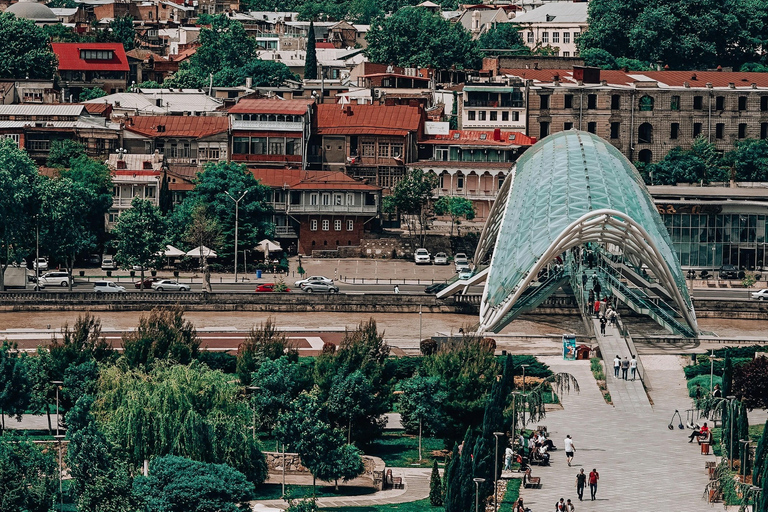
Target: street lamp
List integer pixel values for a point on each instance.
(756, 490)
(477, 481)
(496, 473)
(730, 399)
(57, 383)
(524, 366)
(59, 439)
(237, 212)
(711, 370)
(744, 456)
(515, 394)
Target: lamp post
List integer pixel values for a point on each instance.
(496, 473)
(524, 366)
(515, 394)
(731, 399)
(57, 383)
(744, 456)
(59, 439)
(237, 212)
(711, 370)
(477, 481)
(756, 490)
(420, 324)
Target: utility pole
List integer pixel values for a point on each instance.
(237, 212)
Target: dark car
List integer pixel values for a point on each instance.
(435, 288)
(147, 283)
(268, 287)
(729, 272)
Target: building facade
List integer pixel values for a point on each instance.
(133, 175)
(88, 65)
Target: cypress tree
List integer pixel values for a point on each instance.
(466, 498)
(760, 454)
(435, 487)
(310, 64)
(741, 432)
(451, 479)
(727, 386)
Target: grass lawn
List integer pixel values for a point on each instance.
(399, 449)
(274, 491)
(511, 495)
(414, 506)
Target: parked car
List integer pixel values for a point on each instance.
(318, 287)
(40, 264)
(169, 285)
(761, 295)
(422, 257)
(465, 273)
(107, 287)
(108, 263)
(729, 272)
(54, 279)
(268, 287)
(314, 279)
(441, 259)
(147, 282)
(461, 259)
(435, 288)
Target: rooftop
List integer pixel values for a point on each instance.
(69, 57)
(56, 109)
(271, 106)
(376, 119)
(177, 126)
(296, 179)
(31, 10)
(481, 138)
(160, 101)
(136, 162)
(555, 12)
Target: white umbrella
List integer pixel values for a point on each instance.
(266, 246)
(172, 252)
(201, 250)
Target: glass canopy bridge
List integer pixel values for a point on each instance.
(569, 195)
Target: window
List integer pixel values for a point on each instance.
(764, 130)
(544, 102)
(556, 37)
(259, 145)
(592, 127)
(515, 116)
(545, 37)
(350, 225)
(313, 225)
(566, 54)
(530, 37)
(350, 199)
(326, 198)
(566, 39)
(383, 150)
(615, 128)
(505, 116)
(645, 156)
(40, 145)
(397, 150)
(96, 54)
(742, 130)
(567, 126)
(313, 199)
(720, 103)
(674, 103)
(543, 129)
(674, 130)
(493, 114)
(591, 101)
(337, 225)
(338, 199)
(646, 104)
(240, 145)
(698, 101)
(764, 103)
(742, 103)
(470, 115)
(696, 129)
(645, 133)
(569, 101)
(326, 225)
(481, 115)
(719, 130)
(14, 136)
(459, 181)
(441, 153)
(369, 149)
(276, 147)
(292, 146)
(615, 102)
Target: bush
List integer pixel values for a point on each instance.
(703, 381)
(703, 368)
(597, 368)
(748, 352)
(428, 346)
(227, 363)
(402, 368)
(535, 369)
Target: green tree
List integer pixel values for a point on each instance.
(58, 33)
(750, 383)
(456, 207)
(139, 235)
(503, 36)
(349, 399)
(91, 94)
(122, 31)
(599, 58)
(203, 231)
(263, 343)
(147, 84)
(15, 384)
(96, 177)
(310, 64)
(178, 484)
(163, 335)
(63, 152)
(412, 196)
(364, 12)
(279, 381)
(18, 205)
(727, 387)
(24, 49)
(421, 406)
(435, 487)
(748, 161)
(28, 475)
(416, 37)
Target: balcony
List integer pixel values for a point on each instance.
(283, 126)
(285, 232)
(125, 202)
(329, 208)
(242, 157)
(279, 207)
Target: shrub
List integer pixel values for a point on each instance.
(428, 346)
(704, 367)
(535, 369)
(702, 380)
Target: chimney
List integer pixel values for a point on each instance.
(249, 82)
(497, 134)
(731, 85)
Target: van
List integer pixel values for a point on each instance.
(54, 279)
(107, 287)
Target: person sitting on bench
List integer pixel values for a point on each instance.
(543, 455)
(703, 432)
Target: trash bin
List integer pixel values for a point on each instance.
(258, 274)
(705, 448)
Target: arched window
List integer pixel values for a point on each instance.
(646, 103)
(645, 133)
(645, 156)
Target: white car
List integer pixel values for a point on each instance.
(313, 279)
(461, 259)
(54, 279)
(441, 259)
(108, 263)
(170, 285)
(40, 264)
(465, 273)
(761, 295)
(422, 257)
(107, 287)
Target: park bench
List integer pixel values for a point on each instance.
(710, 466)
(397, 482)
(531, 482)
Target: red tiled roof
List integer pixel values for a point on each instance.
(701, 78)
(396, 75)
(325, 45)
(102, 109)
(614, 77)
(368, 119)
(475, 138)
(183, 54)
(69, 57)
(296, 179)
(271, 106)
(277, 178)
(178, 126)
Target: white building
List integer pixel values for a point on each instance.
(136, 175)
(555, 24)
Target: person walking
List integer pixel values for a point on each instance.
(569, 448)
(633, 366)
(594, 476)
(581, 482)
(597, 306)
(569, 506)
(596, 286)
(508, 453)
(584, 280)
(616, 366)
(397, 289)
(560, 505)
(624, 367)
(602, 325)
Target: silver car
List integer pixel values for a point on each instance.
(441, 259)
(169, 285)
(314, 279)
(318, 287)
(54, 279)
(107, 287)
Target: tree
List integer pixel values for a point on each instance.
(412, 196)
(96, 177)
(18, 175)
(503, 36)
(28, 475)
(63, 152)
(421, 406)
(24, 49)
(202, 232)
(310, 64)
(435, 487)
(15, 385)
(178, 484)
(122, 31)
(163, 335)
(727, 387)
(748, 161)
(416, 37)
(350, 397)
(279, 382)
(263, 343)
(750, 383)
(139, 235)
(91, 94)
(456, 207)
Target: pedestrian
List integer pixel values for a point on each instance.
(602, 325)
(519, 507)
(581, 482)
(584, 280)
(597, 306)
(560, 505)
(594, 476)
(716, 392)
(633, 366)
(616, 366)
(508, 453)
(603, 306)
(397, 289)
(569, 448)
(591, 296)
(569, 506)
(624, 367)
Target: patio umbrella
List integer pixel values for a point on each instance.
(266, 246)
(172, 252)
(201, 250)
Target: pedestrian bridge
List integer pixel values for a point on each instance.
(574, 213)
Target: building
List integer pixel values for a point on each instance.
(31, 10)
(173, 102)
(27, 91)
(183, 140)
(133, 175)
(368, 142)
(479, 19)
(87, 65)
(271, 132)
(490, 105)
(554, 24)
